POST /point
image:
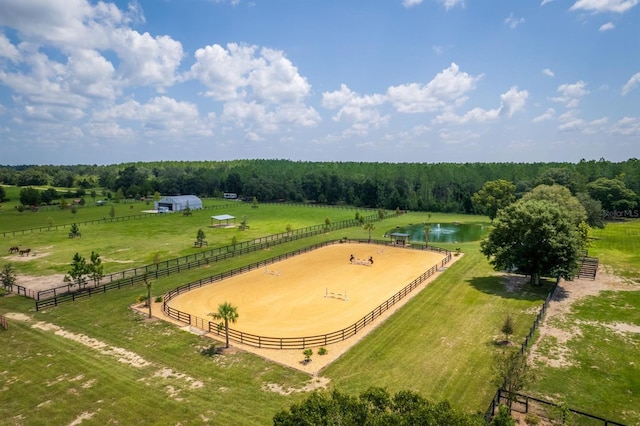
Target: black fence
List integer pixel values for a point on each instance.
(525, 344)
(542, 409)
(515, 400)
(67, 293)
(295, 342)
(105, 219)
(138, 216)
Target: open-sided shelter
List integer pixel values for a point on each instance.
(222, 220)
(400, 238)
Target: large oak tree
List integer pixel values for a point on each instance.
(536, 238)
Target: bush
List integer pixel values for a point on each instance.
(158, 299)
(210, 351)
(323, 351)
(531, 419)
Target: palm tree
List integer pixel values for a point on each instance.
(227, 313)
(369, 227)
(427, 229)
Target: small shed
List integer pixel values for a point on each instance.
(400, 239)
(223, 220)
(176, 203)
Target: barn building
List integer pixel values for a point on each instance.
(176, 203)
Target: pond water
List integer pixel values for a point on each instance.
(443, 232)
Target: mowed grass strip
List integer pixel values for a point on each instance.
(444, 341)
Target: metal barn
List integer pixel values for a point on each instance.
(176, 203)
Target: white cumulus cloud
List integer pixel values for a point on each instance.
(601, 6)
(547, 115)
(411, 3)
(606, 27)
(633, 82)
(571, 94)
(510, 102)
(548, 72)
(447, 87)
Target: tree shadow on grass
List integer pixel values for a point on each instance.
(510, 286)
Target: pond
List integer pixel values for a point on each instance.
(443, 232)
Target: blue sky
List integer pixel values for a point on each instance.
(378, 80)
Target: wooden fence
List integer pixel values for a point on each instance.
(67, 293)
(295, 342)
(3, 322)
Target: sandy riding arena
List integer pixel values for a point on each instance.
(312, 294)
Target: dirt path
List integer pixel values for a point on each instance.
(568, 294)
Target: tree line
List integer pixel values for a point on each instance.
(438, 187)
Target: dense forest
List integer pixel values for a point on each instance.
(445, 187)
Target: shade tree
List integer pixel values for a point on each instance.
(494, 196)
(536, 238)
(613, 194)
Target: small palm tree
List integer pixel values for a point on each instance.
(369, 227)
(426, 229)
(227, 313)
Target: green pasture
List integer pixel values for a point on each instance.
(599, 373)
(131, 243)
(442, 343)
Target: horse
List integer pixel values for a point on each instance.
(14, 249)
(25, 251)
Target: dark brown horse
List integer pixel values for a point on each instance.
(14, 249)
(25, 251)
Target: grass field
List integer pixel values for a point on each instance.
(441, 343)
(599, 372)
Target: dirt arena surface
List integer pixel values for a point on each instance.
(289, 298)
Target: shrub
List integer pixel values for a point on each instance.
(531, 419)
(323, 351)
(158, 299)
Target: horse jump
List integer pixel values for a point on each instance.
(368, 262)
(14, 249)
(272, 272)
(334, 295)
(25, 251)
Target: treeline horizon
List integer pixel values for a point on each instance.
(438, 187)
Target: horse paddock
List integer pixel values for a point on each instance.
(315, 293)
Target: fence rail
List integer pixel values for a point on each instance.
(295, 342)
(526, 404)
(57, 295)
(502, 395)
(137, 216)
(525, 345)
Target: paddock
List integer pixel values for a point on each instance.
(293, 302)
